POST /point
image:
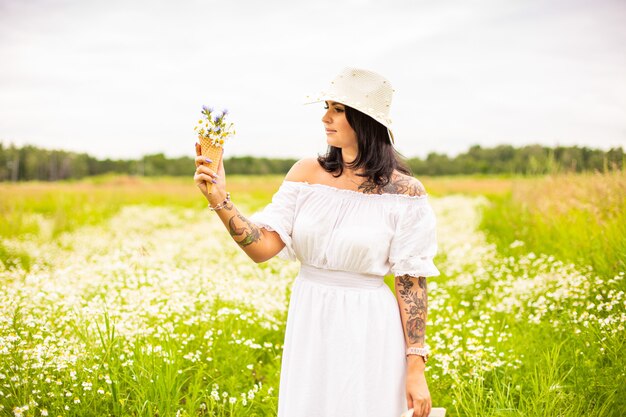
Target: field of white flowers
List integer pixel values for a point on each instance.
(158, 312)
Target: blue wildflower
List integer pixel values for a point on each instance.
(225, 112)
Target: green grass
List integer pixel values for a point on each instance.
(152, 376)
(45, 210)
(41, 211)
(577, 218)
(543, 392)
(567, 362)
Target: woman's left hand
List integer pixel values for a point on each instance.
(417, 394)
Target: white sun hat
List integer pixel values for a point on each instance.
(361, 89)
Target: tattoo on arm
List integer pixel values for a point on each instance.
(416, 306)
(398, 185)
(250, 231)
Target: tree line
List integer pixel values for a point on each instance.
(29, 162)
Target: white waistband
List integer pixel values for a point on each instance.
(340, 278)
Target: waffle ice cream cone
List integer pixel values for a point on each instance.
(214, 153)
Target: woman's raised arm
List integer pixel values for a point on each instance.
(257, 242)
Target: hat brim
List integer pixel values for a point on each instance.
(318, 98)
(315, 98)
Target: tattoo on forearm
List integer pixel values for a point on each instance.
(250, 232)
(416, 307)
(229, 206)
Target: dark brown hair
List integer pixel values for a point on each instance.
(375, 154)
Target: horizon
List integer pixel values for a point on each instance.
(452, 156)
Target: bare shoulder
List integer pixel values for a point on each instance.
(405, 184)
(302, 170)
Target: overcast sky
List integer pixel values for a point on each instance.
(126, 78)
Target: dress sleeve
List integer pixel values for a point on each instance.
(278, 217)
(414, 244)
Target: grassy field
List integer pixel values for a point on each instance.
(127, 297)
(578, 218)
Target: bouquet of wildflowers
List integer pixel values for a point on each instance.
(214, 128)
(213, 131)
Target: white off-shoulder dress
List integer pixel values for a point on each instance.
(344, 349)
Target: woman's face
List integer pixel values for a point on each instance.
(339, 133)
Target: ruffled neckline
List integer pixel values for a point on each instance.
(356, 194)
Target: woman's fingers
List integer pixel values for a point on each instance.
(417, 405)
(200, 160)
(420, 408)
(204, 177)
(203, 159)
(203, 169)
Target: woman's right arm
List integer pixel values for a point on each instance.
(258, 243)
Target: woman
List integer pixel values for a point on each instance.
(351, 217)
